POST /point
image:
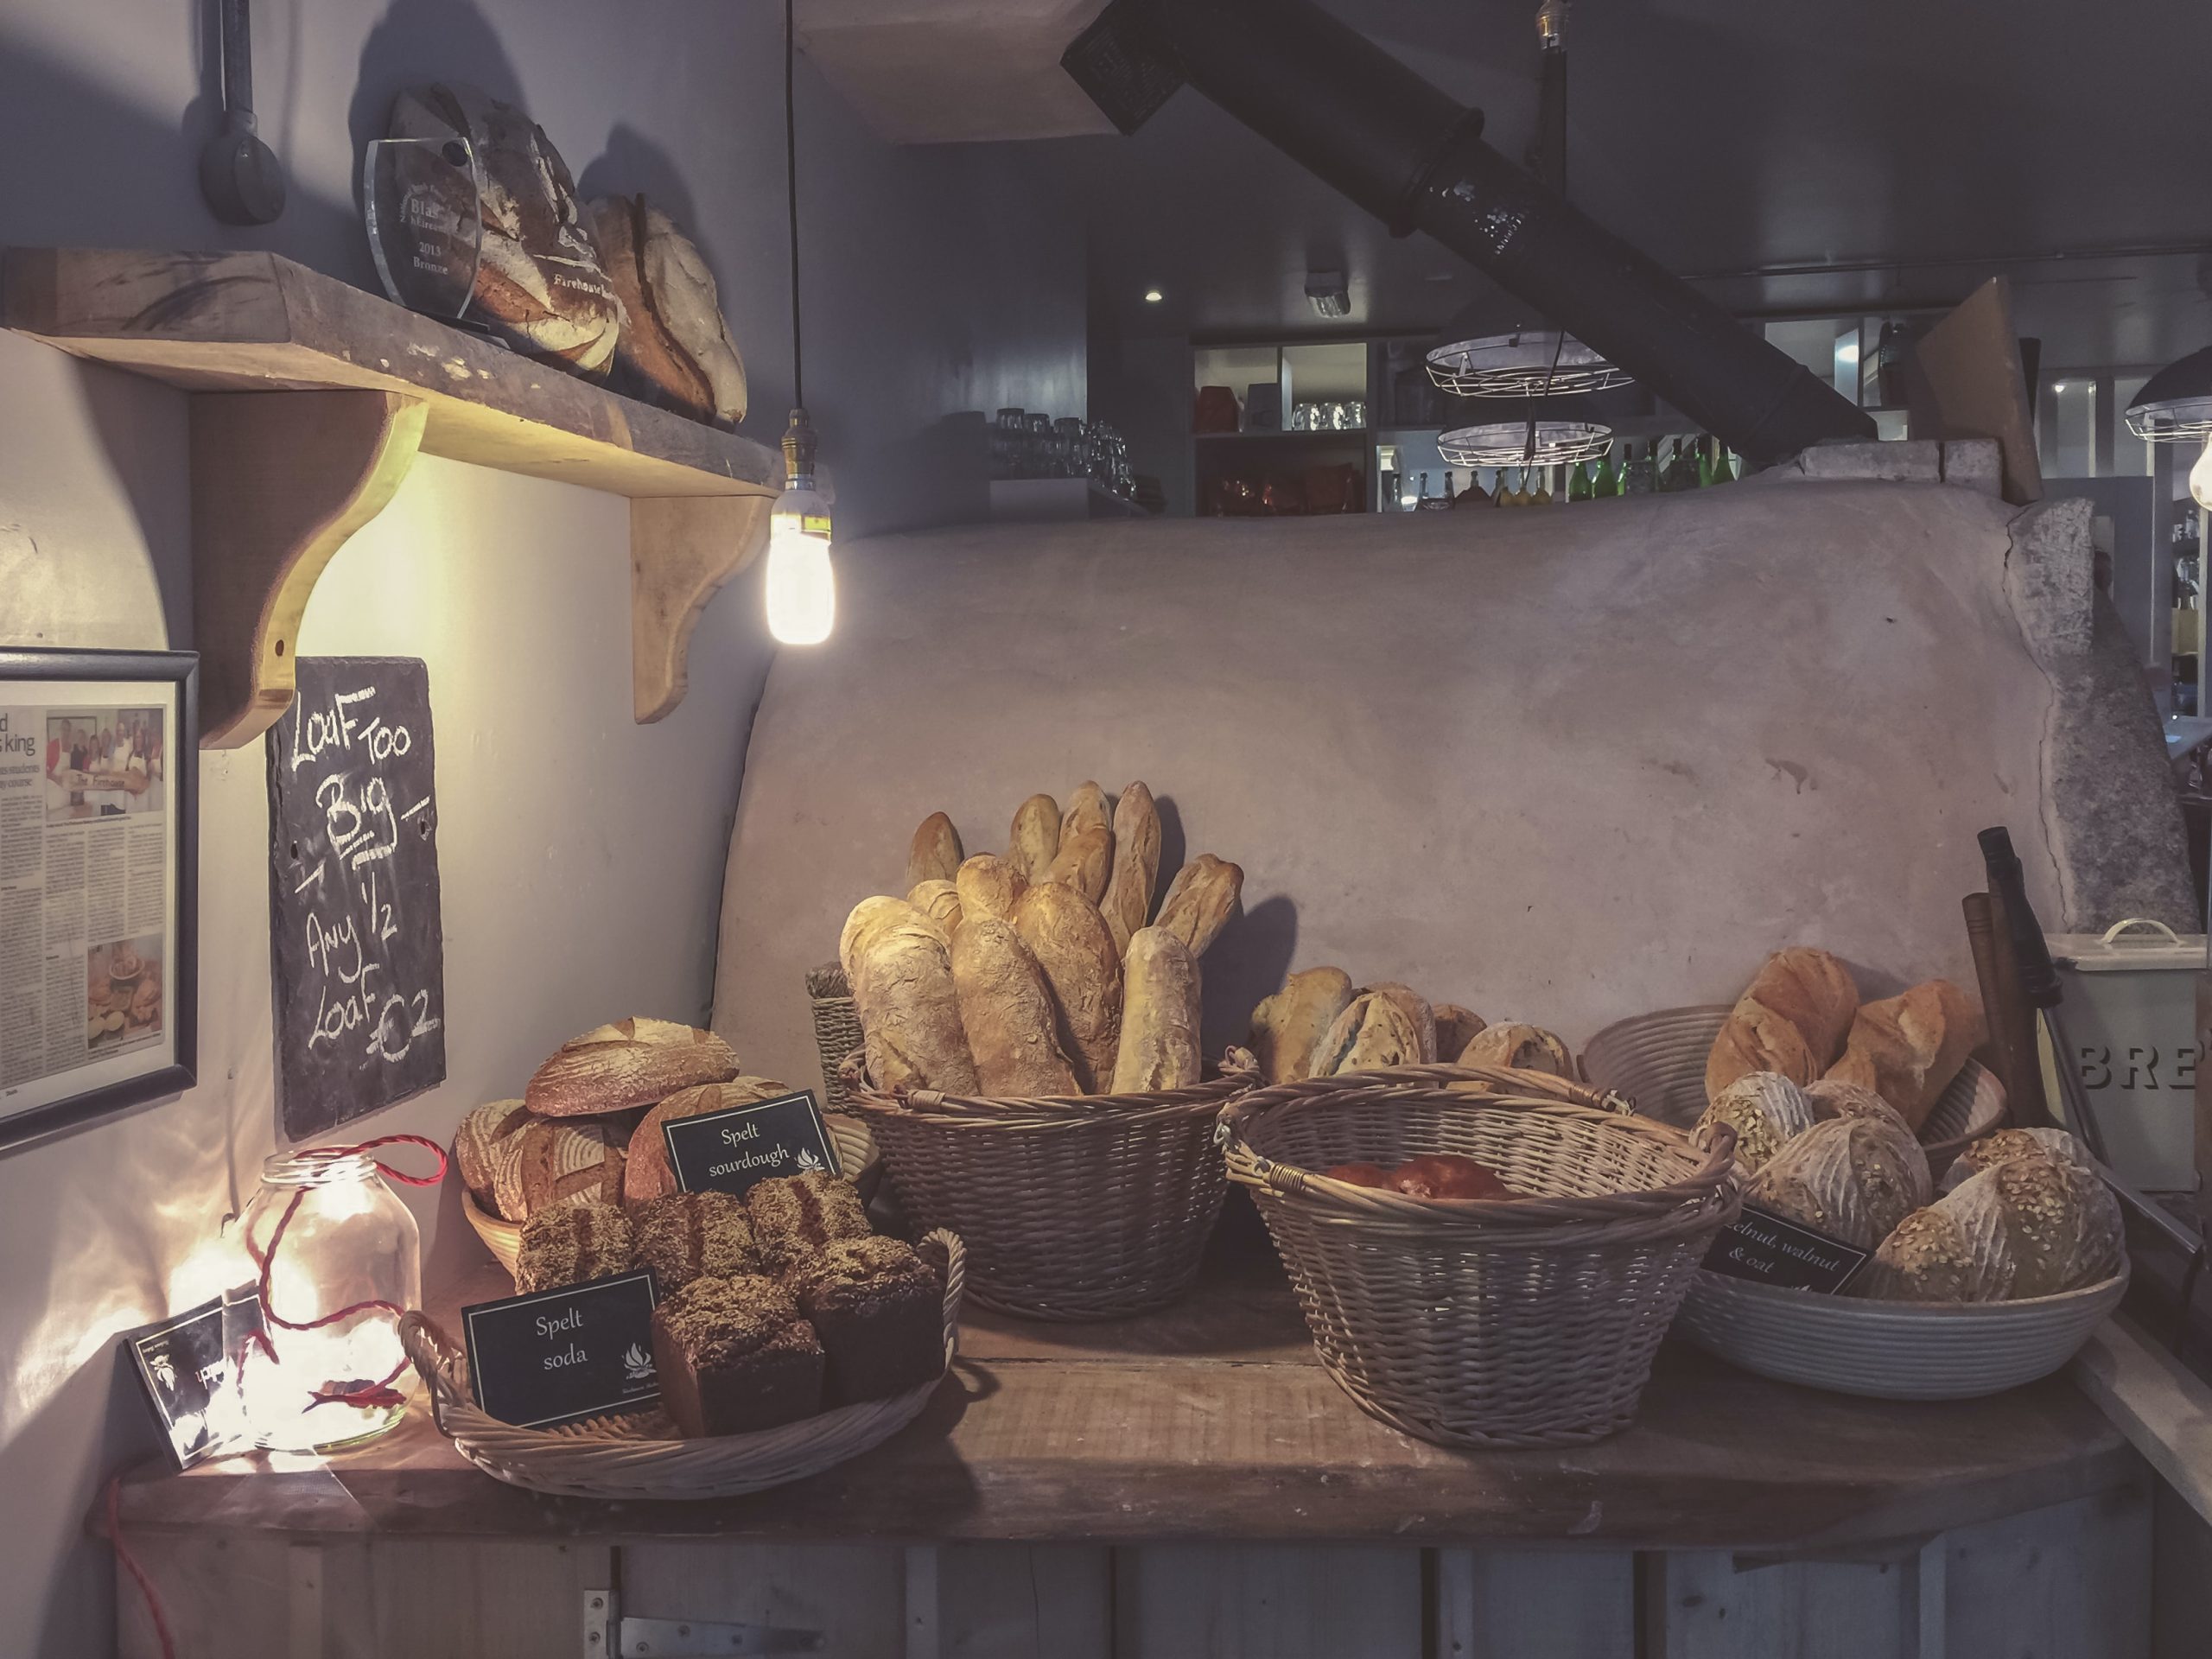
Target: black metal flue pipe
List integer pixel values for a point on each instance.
(1332, 100)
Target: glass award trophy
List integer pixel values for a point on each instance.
(423, 199)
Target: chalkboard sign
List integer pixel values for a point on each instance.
(735, 1150)
(560, 1356)
(357, 943)
(1768, 1250)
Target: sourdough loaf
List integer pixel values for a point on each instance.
(1764, 1109)
(1073, 946)
(1085, 862)
(629, 1064)
(939, 900)
(1791, 1019)
(646, 1174)
(987, 886)
(1852, 1178)
(1034, 840)
(1949, 1252)
(934, 854)
(1418, 1013)
(1523, 1048)
(1160, 1015)
(1287, 1028)
(1127, 903)
(1907, 1048)
(1372, 1030)
(1089, 808)
(1200, 900)
(1456, 1027)
(1007, 1011)
(903, 991)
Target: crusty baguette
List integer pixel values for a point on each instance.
(645, 1172)
(1160, 1015)
(1073, 946)
(1456, 1027)
(1415, 1008)
(1089, 808)
(987, 886)
(1792, 1019)
(1085, 862)
(935, 854)
(939, 900)
(1006, 1010)
(909, 1011)
(1200, 900)
(1907, 1048)
(1288, 1026)
(871, 915)
(1034, 840)
(1127, 903)
(631, 1063)
(1372, 1030)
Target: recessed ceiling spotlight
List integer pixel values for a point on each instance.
(1153, 296)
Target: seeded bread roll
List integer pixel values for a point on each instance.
(1089, 808)
(1764, 1109)
(989, 885)
(1791, 1019)
(645, 1172)
(902, 989)
(1417, 1011)
(1200, 901)
(1852, 1178)
(1948, 1252)
(1523, 1048)
(631, 1063)
(1288, 1026)
(939, 900)
(1073, 946)
(1995, 1148)
(1907, 1048)
(1007, 1011)
(573, 1245)
(2063, 1223)
(871, 915)
(1085, 862)
(1456, 1027)
(1372, 1030)
(935, 854)
(1034, 840)
(1128, 904)
(1160, 1015)
(1831, 1098)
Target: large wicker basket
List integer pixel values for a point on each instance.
(1088, 1207)
(1530, 1322)
(1657, 1060)
(836, 1029)
(641, 1455)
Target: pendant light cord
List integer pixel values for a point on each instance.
(791, 191)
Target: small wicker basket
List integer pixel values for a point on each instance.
(836, 1029)
(641, 1455)
(1530, 1322)
(856, 1156)
(1657, 1060)
(1088, 1207)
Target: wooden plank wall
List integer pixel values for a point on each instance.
(2075, 1581)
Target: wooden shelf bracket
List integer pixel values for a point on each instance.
(683, 548)
(280, 480)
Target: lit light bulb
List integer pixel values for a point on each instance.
(802, 589)
(2200, 478)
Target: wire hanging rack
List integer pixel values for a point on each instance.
(1525, 443)
(1528, 363)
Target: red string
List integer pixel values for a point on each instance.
(371, 1396)
(130, 1564)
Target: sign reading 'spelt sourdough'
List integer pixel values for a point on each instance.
(735, 1150)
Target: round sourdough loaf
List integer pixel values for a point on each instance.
(630, 1064)
(645, 1172)
(1765, 1110)
(1854, 1178)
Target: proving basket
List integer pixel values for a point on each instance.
(1657, 1060)
(837, 1028)
(1483, 1322)
(1082, 1207)
(641, 1455)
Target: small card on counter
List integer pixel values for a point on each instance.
(560, 1355)
(1768, 1250)
(183, 1363)
(735, 1150)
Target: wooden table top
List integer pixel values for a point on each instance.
(1214, 1420)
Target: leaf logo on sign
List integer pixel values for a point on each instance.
(637, 1364)
(810, 1165)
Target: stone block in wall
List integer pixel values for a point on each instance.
(2050, 575)
(1914, 460)
(1975, 464)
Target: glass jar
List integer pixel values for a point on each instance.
(337, 1258)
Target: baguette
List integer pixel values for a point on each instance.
(646, 1173)
(1084, 861)
(1200, 900)
(1087, 808)
(1073, 946)
(1127, 903)
(1288, 1026)
(987, 886)
(909, 1010)
(1371, 1032)
(1908, 1048)
(871, 915)
(1160, 1015)
(631, 1063)
(939, 900)
(935, 854)
(1791, 1019)
(1006, 1008)
(1417, 1011)
(1034, 840)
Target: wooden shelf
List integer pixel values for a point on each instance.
(311, 400)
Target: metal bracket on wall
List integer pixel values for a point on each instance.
(608, 1632)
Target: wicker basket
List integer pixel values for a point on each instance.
(1090, 1207)
(1892, 1351)
(836, 1029)
(640, 1455)
(1483, 1324)
(1657, 1060)
(856, 1156)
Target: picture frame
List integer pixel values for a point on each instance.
(99, 880)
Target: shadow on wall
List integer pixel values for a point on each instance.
(420, 41)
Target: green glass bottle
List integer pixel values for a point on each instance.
(1704, 464)
(1579, 486)
(1723, 464)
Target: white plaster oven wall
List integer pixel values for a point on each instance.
(582, 855)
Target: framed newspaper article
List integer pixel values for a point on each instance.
(98, 883)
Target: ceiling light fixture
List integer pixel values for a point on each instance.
(2175, 406)
(1153, 296)
(801, 587)
(1328, 293)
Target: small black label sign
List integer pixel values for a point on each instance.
(732, 1151)
(560, 1355)
(1768, 1250)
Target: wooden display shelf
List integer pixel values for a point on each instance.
(311, 400)
(1213, 1421)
